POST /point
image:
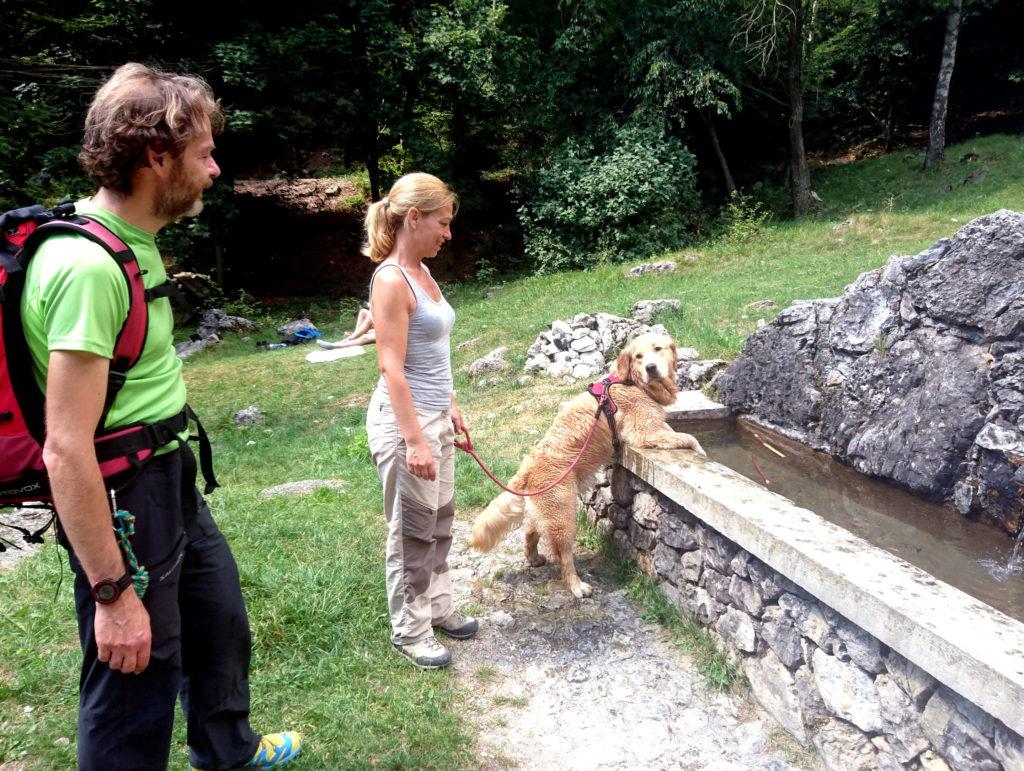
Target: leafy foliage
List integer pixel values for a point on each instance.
(525, 107)
(628, 202)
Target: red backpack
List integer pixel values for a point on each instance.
(121, 451)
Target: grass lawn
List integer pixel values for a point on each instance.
(312, 566)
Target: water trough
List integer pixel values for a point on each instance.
(874, 660)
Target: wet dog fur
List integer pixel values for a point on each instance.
(648, 363)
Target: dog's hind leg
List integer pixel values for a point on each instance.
(534, 557)
(559, 525)
(561, 546)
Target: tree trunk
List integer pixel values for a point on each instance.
(218, 264)
(937, 128)
(373, 166)
(730, 185)
(799, 176)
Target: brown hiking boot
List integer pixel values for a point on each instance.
(457, 626)
(428, 653)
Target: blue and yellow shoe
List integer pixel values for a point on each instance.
(274, 750)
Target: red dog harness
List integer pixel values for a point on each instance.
(602, 391)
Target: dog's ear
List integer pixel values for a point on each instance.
(672, 356)
(622, 364)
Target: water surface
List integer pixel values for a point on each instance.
(971, 556)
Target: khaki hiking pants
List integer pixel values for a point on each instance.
(419, 514)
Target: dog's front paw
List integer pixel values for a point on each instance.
(581, 590)
(536, 560)
(693, 444)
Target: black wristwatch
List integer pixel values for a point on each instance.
(107, 590)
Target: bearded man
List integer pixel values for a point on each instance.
(148, 144)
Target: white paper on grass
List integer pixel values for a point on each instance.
(320, 355)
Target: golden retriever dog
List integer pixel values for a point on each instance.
(648, 365)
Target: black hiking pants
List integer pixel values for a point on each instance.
(201, 640)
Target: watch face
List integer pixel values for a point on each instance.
(106, 592)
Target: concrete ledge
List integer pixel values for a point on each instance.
(967, 645)
(693, 405)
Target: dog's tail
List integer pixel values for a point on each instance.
(501, 515)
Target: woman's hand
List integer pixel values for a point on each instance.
(459, 424)
(420, 461)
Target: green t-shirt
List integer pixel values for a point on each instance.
(76, 299)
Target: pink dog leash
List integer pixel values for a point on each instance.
(600, 391)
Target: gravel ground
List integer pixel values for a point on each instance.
(13, 543)
(556, 682)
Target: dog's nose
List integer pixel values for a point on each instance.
(652, 370)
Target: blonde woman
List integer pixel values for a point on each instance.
(413, 419)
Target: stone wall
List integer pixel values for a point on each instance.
(828, 682)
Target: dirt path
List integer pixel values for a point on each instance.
(567, 684)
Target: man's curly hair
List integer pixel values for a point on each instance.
(139, 108)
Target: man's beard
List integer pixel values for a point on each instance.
(177, 199)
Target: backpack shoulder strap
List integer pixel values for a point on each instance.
(132, 337)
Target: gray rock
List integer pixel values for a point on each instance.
(745, 596)
(911, 679)
(691, 566)
(644, 310)
(775, 690)
(1009, 748)
(249, 416)
(847, 691)
(717, 585)
(701, 605)
(737, 627)
(954, 736)
(809, 619)
(858, 646)
(718, 551)
(186, 348)
(642, 538)
(217, 322)
(693, 375)
(844, 748)
(646, 510)
(668, 563)
(583, 344)
(738, 564)
(624, 545)
(814, 710)
(492, 362)
(622, 490)
(666, 266)
(619, 516)
(501, 619)
(781, 636)
(536, 363)
(769, 583)
(675, 532)
(896, 376)
(900, 720)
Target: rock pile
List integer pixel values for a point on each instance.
(581, 347)
(915, 374)
(212, 327)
